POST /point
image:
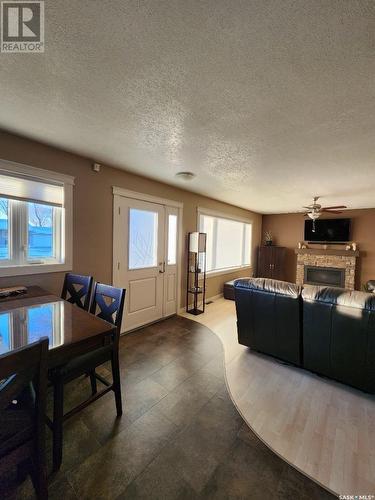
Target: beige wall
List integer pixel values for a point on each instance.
(287, 230)
(93, 200)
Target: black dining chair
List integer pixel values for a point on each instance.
(107, 304)
(77, 290)
(23, 388)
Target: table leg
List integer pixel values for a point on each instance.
(58, 413)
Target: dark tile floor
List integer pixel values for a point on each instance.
(180, 436)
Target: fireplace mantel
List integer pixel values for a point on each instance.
(328, 251)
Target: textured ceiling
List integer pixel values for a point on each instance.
(269, 102)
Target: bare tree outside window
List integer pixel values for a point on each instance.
(40, 215)
(143, 249)
(142, 238)
(32, 224)
(4, 207)
(4, 247)
(40, 230)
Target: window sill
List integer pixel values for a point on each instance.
(34, 269)
(212, 274)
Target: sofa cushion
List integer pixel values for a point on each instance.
(269, 285)
(338, 327)
(339, 297)
(269, 317)
(339, 335)
(229, 288)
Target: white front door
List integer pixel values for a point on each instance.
(145, 259)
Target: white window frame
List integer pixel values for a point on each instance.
(7, 268)
(214, 213)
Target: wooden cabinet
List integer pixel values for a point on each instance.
(271, 261)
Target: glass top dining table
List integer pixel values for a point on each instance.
(71, 331)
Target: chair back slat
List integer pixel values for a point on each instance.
(23, 433)
(21, 367)
(77, 290)
(12, 387)
(108, 303)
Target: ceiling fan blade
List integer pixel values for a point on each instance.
(331, 211)
(309, 208)
(338, 206)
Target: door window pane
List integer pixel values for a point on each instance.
(143, 230)
(172, 240)
(40, 231)
(4, 228)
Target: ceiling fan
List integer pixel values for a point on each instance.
(315, 210)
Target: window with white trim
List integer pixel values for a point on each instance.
(35, 221)
(228, 242)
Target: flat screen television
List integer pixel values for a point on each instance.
(327, 230)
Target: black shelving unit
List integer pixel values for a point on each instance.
(196, 273)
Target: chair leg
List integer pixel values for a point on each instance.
(94, 387)
(39, 478)
(58, 414)
(117, 382)
(23, 469)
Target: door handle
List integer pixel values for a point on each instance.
(162, 271)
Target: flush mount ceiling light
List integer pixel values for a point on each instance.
(185, 176)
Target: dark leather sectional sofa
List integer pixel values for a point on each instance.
(330, 331)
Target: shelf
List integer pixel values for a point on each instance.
(196, 312)
(196, 273)
(327, 251)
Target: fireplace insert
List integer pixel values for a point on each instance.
(330, 276)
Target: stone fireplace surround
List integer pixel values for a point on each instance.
(332, 258)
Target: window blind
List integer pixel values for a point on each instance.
(30, 189)
(228, 242)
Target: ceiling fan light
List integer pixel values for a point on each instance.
(314, 215)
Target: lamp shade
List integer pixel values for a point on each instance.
(194, 242)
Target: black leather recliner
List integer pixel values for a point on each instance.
(269, 317)
(339, 335)
(329, 331)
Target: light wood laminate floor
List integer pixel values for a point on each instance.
(323, 428)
